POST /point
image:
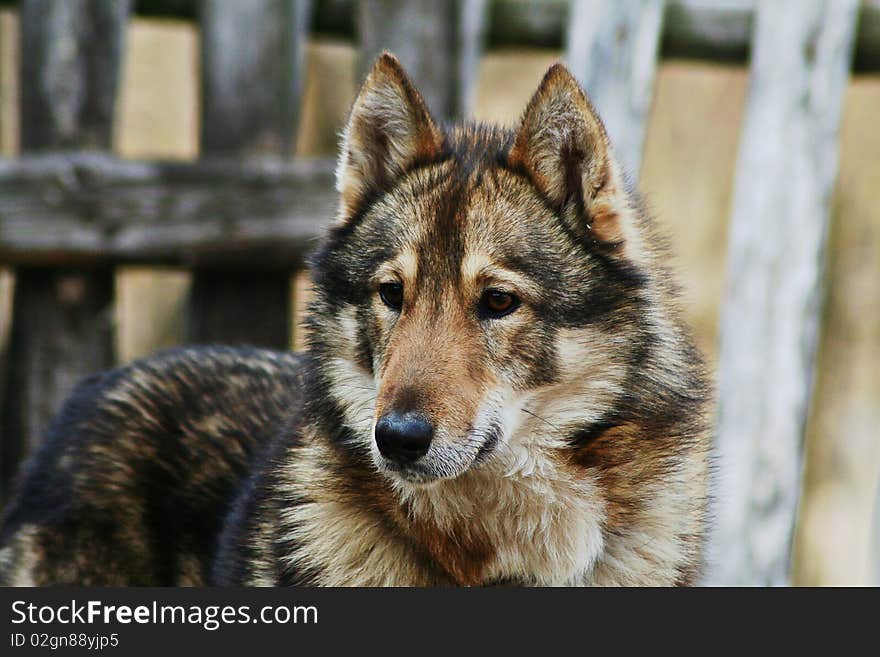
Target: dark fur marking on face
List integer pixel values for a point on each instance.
(367, 335)
(342, 266)
(536, 350)
(477, 147)
(608, 287)
(373, 195)
(490, 441)
(320, 407)
(584, 436)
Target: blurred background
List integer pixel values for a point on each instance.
(187, 121)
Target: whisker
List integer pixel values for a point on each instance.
(538, 417)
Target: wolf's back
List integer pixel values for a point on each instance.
(137, 470)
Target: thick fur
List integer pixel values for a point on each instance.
(139, 468)
(570, 441)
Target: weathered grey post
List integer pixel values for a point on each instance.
(612, 50)
(62, 315)
(437, 42)
(473, 22)
(874, 554)
(252, 76)
(770, 322)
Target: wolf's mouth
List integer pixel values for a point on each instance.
(411, 474)
(444, 461)
(491, 440)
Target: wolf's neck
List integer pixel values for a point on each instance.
(531, 521)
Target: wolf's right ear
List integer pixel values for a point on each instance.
(388, 130)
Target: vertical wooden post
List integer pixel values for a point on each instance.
(874, 553)
(252, 63)
(62, 319)
(473, 23)
(71, 54)
(770, 320)
(252, 78)
(439, 44)
(612, 50)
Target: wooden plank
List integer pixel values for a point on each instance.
(708, 29)
(252, 75)
(62, 330)
(62, 327)
(770, 320)
(842, 450)
(439, 43)
(612, 50)
(69, 208)
(717, 30)
(251, 93)
(471, 40)
(421, 34)
(69, 74)
(874, 565)
(721, 30)
(243, 294)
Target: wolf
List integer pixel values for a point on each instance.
(498, 389)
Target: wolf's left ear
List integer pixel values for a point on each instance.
(563, 145)
(388, 130)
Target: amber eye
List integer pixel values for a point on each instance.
(495, 304)
(391, 295)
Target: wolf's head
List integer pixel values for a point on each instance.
(483, 293)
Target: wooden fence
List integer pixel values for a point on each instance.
(243, 215)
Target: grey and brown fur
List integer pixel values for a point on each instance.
(570, 442)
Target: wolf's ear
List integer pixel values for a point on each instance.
(563, 145)
(388, 130)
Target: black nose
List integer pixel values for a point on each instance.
(403, 437)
